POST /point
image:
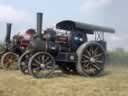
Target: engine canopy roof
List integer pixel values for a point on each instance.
(78, 26)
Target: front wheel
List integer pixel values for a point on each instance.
(91, 59)
(41, 65)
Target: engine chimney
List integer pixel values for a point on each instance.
(8, 33)
(39, 23)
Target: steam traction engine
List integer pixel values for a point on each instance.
(14, 48)
(70, 51)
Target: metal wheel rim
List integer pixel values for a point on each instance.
(9, 61)
(42, 65)
(93, 59)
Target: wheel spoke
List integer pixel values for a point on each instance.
(91, 51)
(46, 59)
(85, 61)
(37, 69)
(39, 58)
(88, 52)
(96, 50)
(99, 61)
(48, 63)
(85, 56)
(98, 55)
(36, 61)
(43, 58)
(96, 66)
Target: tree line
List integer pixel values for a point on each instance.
(117, 56)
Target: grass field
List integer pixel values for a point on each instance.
(114, 82)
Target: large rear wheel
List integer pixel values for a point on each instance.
(91, 59)
(41, 65)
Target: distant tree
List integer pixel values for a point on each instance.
(120, 49)
(118, 56)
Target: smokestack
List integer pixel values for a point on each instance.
(39, 23)
(8, 33)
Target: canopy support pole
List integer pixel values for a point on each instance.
(99, 36)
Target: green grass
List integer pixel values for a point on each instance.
(114, 82)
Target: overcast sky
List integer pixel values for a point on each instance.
(111, 13)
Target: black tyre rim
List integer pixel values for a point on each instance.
(42, 65)
(93, 59)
